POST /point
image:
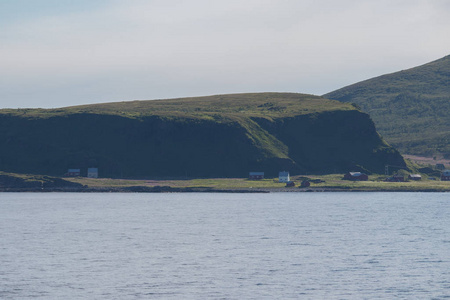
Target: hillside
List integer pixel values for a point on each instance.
(410, 108)
(216, 136)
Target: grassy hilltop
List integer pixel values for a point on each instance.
(410, 108)
(215, 136)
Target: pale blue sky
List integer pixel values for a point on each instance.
(12, 11)
(56, 53)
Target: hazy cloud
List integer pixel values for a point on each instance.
(135, 49)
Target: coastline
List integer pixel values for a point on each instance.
(167, 189)
(318, 183)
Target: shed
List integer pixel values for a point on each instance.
(445, 176)
(92, 173)
(283, 177)
(305, 183)
(256, 175)
(356, 176)
(415, 177)
(73, 172)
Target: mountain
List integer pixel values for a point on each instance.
(215, 136)
(410, 108)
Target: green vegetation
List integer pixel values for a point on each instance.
(27, 181)
(219, 108)
(208, 137)
(330, 182)
(410, 108)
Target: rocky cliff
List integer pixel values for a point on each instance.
(216, 136)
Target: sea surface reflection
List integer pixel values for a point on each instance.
(225, 246)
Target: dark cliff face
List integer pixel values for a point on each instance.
(125, 147)
(155, 146)
(334, 142)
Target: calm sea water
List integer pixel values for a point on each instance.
(225, 246)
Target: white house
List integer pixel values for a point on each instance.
(283, 177)
(92, 173)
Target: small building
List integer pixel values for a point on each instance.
(415, 177)
(356, 176)
(305, 183)
(290, 184)
(73, 173)
(92, 173)
(445, 176)
(256, 175)
(283, 177)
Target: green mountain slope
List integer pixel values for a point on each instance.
(410, 108)
(216, 136)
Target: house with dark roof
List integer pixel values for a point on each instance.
(356, 176)
(256, 175)
(445, 176)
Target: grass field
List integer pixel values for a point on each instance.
(220, 108)
(328, 182)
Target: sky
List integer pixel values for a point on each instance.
(58, 53)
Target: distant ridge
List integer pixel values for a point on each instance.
(215, 136)
(410, 108)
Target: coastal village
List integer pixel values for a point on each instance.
(301, 182)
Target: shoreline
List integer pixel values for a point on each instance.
(167, 189)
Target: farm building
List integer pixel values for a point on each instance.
(73, 173)
(356, 176)
(256, 175)
(283, 177)
(305, 183)
(290, 184)
(445, 175)
(415, 177)
(92, 173)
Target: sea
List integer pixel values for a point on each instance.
(225, 246)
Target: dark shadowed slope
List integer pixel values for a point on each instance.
(410, 108)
